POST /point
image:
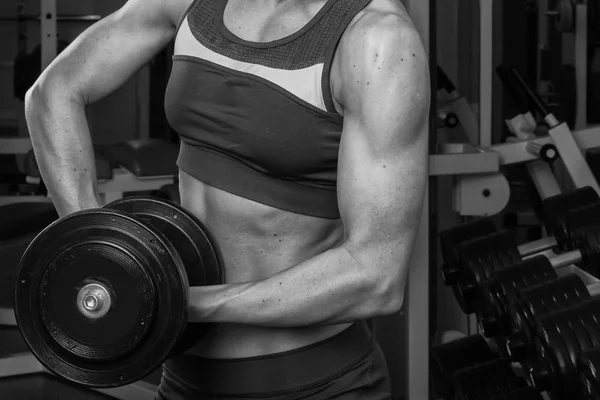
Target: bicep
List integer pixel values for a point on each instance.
(108, 53)
(382, 174)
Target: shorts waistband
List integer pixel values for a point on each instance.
(275, 373)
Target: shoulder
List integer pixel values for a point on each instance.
(156, 12)
(381, 48)
(383, 24)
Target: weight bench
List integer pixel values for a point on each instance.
(133, 166)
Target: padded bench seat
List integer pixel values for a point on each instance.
(143, 158)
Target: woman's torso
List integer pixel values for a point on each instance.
(256, 240)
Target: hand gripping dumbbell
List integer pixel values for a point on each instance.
(482, 258)
(560, 338)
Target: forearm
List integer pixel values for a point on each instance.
(63, 148)
(330, 288)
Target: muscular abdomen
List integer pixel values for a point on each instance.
(256, 242)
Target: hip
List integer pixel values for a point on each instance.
(349, 365)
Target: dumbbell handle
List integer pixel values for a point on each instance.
(565, 259)
(537, 246)
(541, 245)
(594, 289)
(450, 272)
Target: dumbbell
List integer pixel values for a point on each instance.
(526, 393)
(482, 258)
(531, 303)
(467, 368)
(561, 337)
(450, 240)
(486, 380)
(510, 286)
(448, 358)
(556, 212)
(101, 296)
(588, 368)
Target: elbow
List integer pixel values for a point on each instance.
(36, 98)
(32, 98)
(387, 297)
(50, 90)
(391, 302)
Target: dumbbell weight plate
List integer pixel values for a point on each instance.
(553, 360)
(190, 238)
(551, 301)
(592, 312)
(586, 322)
(447, 358)
(588, 363)
(556, 212)
(581, 334)
(144, 277)
(450, 240)
(567, 335)
(480, 381)
(492, 320)
(525, 393)
(554, 346)
(590, 324)
(469, 383)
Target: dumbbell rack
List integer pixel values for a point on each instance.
(587, 279)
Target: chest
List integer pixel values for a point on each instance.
(261, 21)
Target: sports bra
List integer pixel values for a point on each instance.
(257, 119)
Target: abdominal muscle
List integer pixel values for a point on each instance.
(257, 241)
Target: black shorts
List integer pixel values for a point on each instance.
(349, 365)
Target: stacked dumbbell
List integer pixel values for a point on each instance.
(524, 302)
(476, 252)
(467, 369)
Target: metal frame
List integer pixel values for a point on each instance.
(580, 40)
(454, 159)
(417, 289)
(486, 71)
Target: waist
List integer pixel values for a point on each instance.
(256, 242)
(279, 372)
(235, 177)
